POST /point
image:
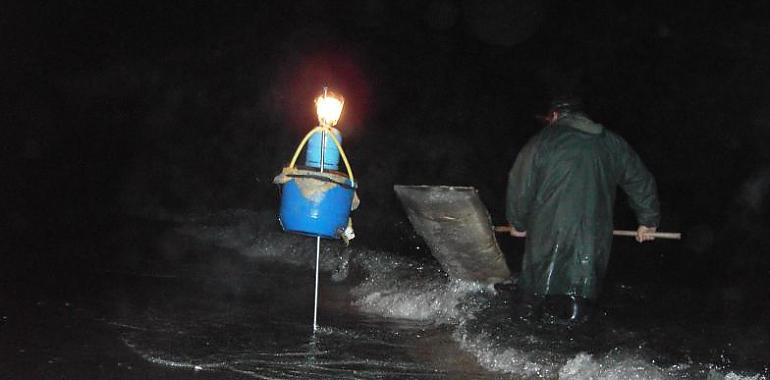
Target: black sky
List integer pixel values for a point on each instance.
(129, 108)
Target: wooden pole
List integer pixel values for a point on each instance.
(657, 235)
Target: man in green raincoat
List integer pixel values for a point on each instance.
(560, 196)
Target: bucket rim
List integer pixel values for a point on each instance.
(319, 176)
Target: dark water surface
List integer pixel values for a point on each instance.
(229, 296)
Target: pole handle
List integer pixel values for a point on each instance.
(657, 235)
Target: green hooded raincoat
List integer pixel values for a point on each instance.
(561, 190)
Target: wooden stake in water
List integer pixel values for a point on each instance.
(318, 238)
(317, 260)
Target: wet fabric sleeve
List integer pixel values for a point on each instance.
(521, 188)
(640, 186)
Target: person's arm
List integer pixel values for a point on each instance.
(639, 185)
(521, 189)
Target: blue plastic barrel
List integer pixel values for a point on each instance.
(331, 154)
(316, 204)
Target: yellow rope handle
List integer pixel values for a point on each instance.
(344, 157)
(301, 144)
(337, 143)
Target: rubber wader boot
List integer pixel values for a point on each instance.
(568, 309)
(582, 309)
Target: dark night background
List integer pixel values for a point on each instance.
(117, 112)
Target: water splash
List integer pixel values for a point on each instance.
(374, 321)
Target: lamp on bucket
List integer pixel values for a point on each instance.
(316, 199)
(328, 108)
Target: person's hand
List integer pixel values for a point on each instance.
(644, 233)
(516, 233)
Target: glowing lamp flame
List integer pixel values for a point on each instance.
(329, 107)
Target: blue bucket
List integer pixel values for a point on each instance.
(331, 153)
(316, 204)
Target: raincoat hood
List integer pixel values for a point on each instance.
(581, 123)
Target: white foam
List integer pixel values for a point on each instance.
(504, 357)
(501, 359)
(585, 367)
(399, 288)
(437, 305)
(615, 365)
(716, 375)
